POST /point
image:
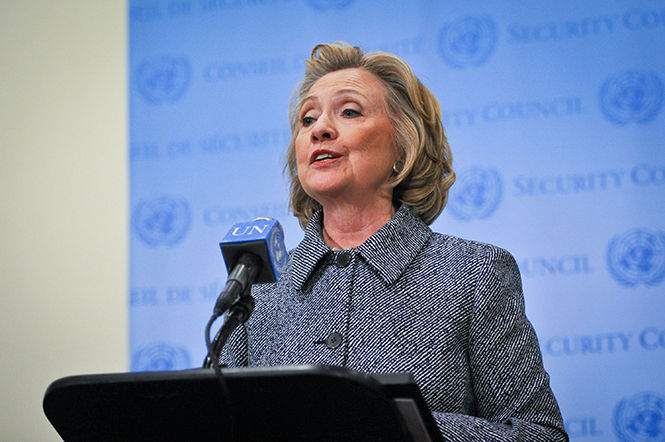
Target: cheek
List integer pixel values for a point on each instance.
(300, 150)
(302, 159)
(381, 149)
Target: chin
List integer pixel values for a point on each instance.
(323, 188)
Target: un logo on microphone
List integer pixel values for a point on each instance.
(324, 5)
(640, 418)
(468, 42)
(163, 79)
(278, 248)
(631, 97)
(476, 194)
(637, 257)
(160, 357)
(161, 221)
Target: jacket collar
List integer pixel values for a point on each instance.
(389, 251)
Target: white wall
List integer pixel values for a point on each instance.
(63, 199)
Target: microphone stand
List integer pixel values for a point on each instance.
(238, 313)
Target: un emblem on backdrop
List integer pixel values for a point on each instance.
(637, 257)
(162, 221)
(324, 5)
(160, 357)
(632, 96)
(468, 42)
(163, 79)
(640, 418)
(476, 194)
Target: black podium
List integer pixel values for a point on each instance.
(305, 403)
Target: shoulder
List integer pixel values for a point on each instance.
(471, 261)
(464, 250)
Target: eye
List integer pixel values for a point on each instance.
(306, 121)
(350, 113)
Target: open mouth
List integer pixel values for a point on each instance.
(321, 157)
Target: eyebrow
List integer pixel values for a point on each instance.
(338, 92)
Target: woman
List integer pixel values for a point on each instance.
(371, 287)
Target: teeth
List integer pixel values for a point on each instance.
(323, 156)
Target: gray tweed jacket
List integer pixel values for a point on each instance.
(449, 311)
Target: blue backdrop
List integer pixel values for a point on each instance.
(554, 111)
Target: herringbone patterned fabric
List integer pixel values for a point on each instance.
(449, 311)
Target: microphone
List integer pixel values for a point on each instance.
(253, 252)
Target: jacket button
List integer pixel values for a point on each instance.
(333, 340)
(342, 259)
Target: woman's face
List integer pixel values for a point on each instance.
(345, 147)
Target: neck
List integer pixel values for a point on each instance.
(348, 226)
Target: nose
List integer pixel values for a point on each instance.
(324, 129)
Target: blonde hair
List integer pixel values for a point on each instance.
(415, 113)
